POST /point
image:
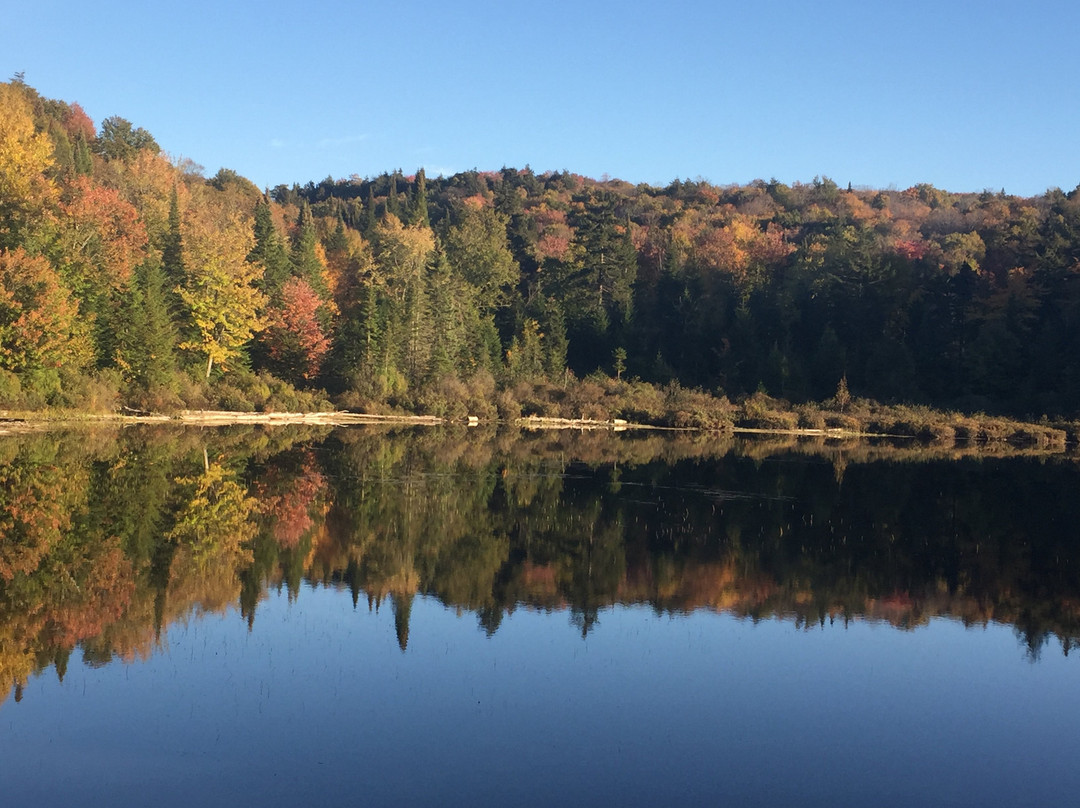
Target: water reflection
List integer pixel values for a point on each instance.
(107, 539)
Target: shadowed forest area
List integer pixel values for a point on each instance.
(128, 279)
(113, 536)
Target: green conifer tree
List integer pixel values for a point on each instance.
(305, 261)
(555, 342)
(173, 271)
(371, 329)
(448, 338)
(147, 336)
(172, 248)
(269, 251)
(418, 332)
(418, 211)
(63, 152)
(337, 241)
(370, 218)
(392, 206)
(83, 162)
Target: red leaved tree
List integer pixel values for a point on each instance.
(294, 335)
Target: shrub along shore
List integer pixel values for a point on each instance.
(596, 402)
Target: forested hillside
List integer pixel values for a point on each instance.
(130, 278)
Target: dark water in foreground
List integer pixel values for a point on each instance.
(361, 617)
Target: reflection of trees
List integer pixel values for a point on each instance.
(36, 504)
(412, 515)
(754, 533)
(59, 584)
(210, 538)
(113, 529)
(529, 524)
(402, 605)
(107, 540)
(290, 494)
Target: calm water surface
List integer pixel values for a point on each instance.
(434, 617)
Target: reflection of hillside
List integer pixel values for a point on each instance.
(720, 587)
(117, 537)
(107, 541)
(582, 522)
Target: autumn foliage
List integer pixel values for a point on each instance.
(102, 237)
(403, 291)
(40, 326)
(294, 335)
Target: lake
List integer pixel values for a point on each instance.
(402, 616)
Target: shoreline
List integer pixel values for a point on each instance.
(30, 422)
(23, 423)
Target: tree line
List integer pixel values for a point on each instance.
(128, 278)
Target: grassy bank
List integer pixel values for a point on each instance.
(595, 401)
(605, 400)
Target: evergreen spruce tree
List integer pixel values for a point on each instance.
(418, 210)
(392, 197)
(507, 200)
(843, 397)
(555, 341)
(173, 271)
(598, 296)
(352, 213)
(418, 332)
(172, 248)
(623, 275)
(146, 336)
(63, 152)
(269, 251)
(338, 242)
(356, 339)
(305, 261)
(371, 330)
(485, 346)
(83, 163)
(264, 230)
(525, 358)
(448, 338)
(369, 213)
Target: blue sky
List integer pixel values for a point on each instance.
(964, 95)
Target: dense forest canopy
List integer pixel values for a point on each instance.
(126, 277)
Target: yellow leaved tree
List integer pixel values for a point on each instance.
(25, 192)
(220, 292)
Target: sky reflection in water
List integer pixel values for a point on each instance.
(319, 702)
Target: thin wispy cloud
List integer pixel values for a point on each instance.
(331, 142)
